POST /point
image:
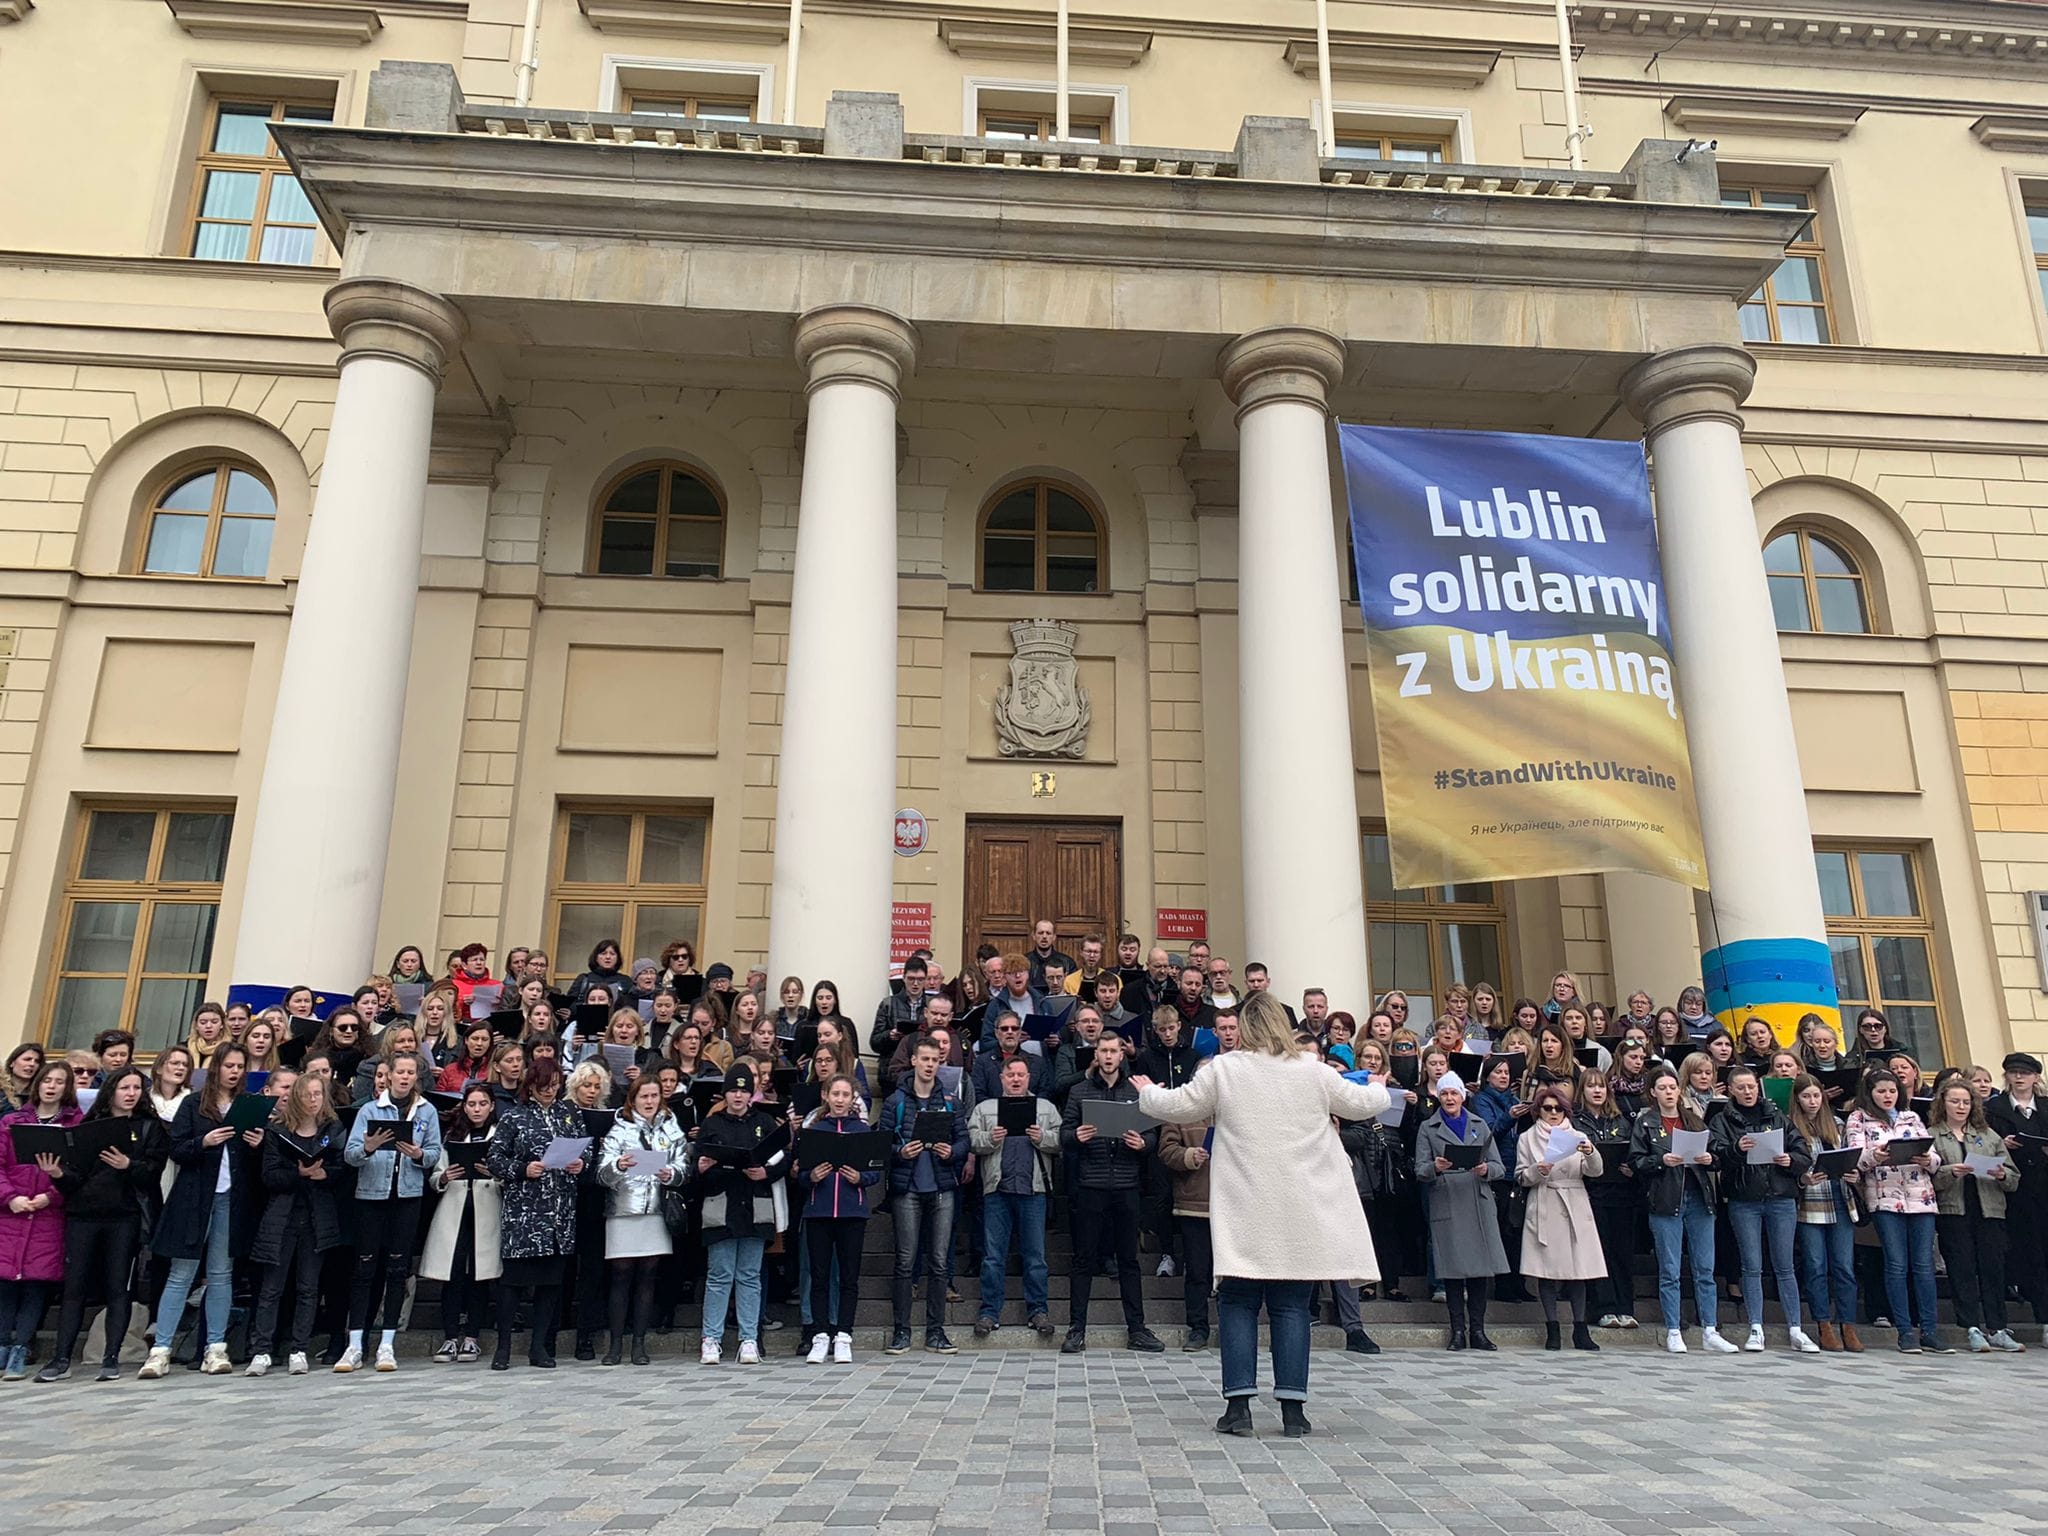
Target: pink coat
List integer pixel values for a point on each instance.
(31, 1246)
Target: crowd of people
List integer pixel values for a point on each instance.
(590, 1157)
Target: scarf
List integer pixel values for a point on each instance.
(1456, 1126)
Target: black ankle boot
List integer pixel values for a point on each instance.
(1456, 1340)
(640, 1355)
(501, 1360)
(1481, 1341)
(1293, 1419)
(1551, 1337)
(1582, 1337)
(586, 1344)
(1237, 1417)
(616, 1352)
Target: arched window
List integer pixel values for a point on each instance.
(661, 519)
(216, 520)
(1815, 585)
(1040, 536)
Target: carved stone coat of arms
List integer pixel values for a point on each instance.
(1042, 711)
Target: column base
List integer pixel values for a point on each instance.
(1777, 980)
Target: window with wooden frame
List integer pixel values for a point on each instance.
(1362, 142)
(713, 108)
(1041, 536)
(2037, 237)
(136, 926)
(1882, 942)
(1792, 305)
(1026, 126)
(246, 204)
(213, 520)
(1420, 941)
(634, 875)
(661, 519)
(1815, 585)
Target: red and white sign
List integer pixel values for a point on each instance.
(910, 929)
(1183, 923)
(913, 835)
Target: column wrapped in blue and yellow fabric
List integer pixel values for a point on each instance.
(1778, 980)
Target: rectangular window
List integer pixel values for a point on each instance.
(632, 876)
(1882, 940)
(1420, 941)
(712, 108)
(2037, 239)
(135, 936)
(1792, 305)
(1033, 127)
(1363, 142)
(246, 204)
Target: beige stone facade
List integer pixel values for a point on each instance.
(630, 299)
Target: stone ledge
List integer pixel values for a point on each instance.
(1407, 62)
(727, 22)
(1092, 47)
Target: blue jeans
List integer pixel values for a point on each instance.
(1757, 1222)
(220, 1280)
(927, 1216)
(1908, 1268)
(1827, 1270)
(1002, 1216)
(1689, 1231)
(733, 1264)
(1237, 1320)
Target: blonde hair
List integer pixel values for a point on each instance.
(584, 1070)
(1262, 1026)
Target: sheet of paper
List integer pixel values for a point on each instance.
(1392, 1115)
(564, 1150)
(1689, 1144)
(618, 1057)
(1564, 1141)
(648, 1162)
(1766, 1145)
(1984, 1167)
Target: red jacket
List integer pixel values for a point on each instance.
(31, 1246)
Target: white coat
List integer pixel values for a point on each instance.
(437, 1258)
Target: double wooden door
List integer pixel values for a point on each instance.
(1021, 871)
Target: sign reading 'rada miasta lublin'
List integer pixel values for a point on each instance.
(1520, 656)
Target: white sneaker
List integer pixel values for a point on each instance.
(351, 1360)
(387, 1358)
(2005, 1343)
(711, 1354)
(1610, 1320)
(1628, 1320)
(1674, 1341)
(157, 1366)
(842, 1349)
(259, 1365)
(1803, 1344)
(298, 1365)
(1754, 1344)
(1165, 1265)
(821, 1346)
(750, 1352)
(1713, 1343)
(1977, 1343)
(216, 1361)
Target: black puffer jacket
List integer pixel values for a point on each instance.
(1105, 1162)
(95, 1192)
(289, 1191)
(1740, 1178)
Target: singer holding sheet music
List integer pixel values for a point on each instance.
(393, 1142)
(299, 1222)
(1283, 1211)
(1761, 1158)
(31, 1216)
(1899, 1186)
(640, 1159)
(537, 1224)
(1972, 1186)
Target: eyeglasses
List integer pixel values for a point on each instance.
(1551, 1109)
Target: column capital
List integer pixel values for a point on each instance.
(1282, 362)
(373, 317)
(855, 342)
(1690, 384)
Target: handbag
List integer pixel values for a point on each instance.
(675, 1210)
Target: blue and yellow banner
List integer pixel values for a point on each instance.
(1520, 652)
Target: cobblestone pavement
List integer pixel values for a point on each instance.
(1629, 1443)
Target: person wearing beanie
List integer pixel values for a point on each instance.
(742, 1150)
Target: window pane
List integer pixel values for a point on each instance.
(242, 130)
(672, 851)
(1735, 197)
(642, 493)
(1782, 554)
(230, 195)
(1920, 1031)
(288, 204)
(102, 936)
(117, 845)
(309, 114)
(286, 246)
(626, 546)
(596, 851)
(1399, 957)
(1478, 893)
(1785, 199)
(1831, 867)
(1841, 607)
(1010, 128)
(1431, 153)
(725, 112)
(1902, 968)
(1063, 514)
(1887, 885)
(248, 495)
(196, 847)
(1851, 985)
(1016, 512)
(690, 497)
(243, 548)
(177, 543)
(1471, 952)
(1797, 281)
(2037, 230)
(1756, 325)
(1070, 572)
(221, 242)
(1379, 876)
(1827, 559)
(583, 927)
(164, 1006)
(1802, 327)
(1007, 564)
(193, 495)
(655, 928)
(180, 937)
(1788, 603)
(693, 547)
(85, 1006)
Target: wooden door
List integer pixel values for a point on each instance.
(1021, 871)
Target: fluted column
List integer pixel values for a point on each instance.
(1767, 949)
(1304, 893)
(835, 796)
(322, 822)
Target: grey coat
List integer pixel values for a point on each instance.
(1463, 1232)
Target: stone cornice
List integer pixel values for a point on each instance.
(1966, 32)
(736, 21)
(327, 23)
(1407, 61)
(15, 10)
(1782, 117)
(1090, 47)
(2012, 130)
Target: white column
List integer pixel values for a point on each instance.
(835, 796)
(1767, 952)
(322, 821)
(1304, 894)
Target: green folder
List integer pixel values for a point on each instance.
(1779, 1091)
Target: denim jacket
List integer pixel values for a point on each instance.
(374, 1169)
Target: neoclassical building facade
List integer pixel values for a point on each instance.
(426, 517)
